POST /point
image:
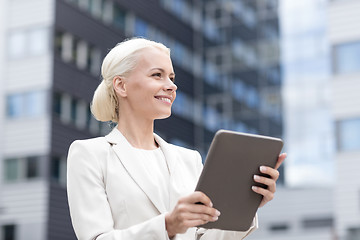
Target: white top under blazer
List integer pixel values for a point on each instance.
(111, 198)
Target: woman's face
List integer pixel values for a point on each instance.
(150, 88)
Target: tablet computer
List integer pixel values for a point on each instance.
(227, 177)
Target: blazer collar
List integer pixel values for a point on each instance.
(126, 154)
(115, 137)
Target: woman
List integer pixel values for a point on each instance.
(131, 184)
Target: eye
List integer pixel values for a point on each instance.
(156, 75)
(172, 79)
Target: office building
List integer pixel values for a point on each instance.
(344, 34)
(328, 212)
(50, 58)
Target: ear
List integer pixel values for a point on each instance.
(119, 86)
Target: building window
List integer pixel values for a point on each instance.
(73, 113)
(119, 16)
(279, 227)
(11, 169)
(76, 112)
(8, 232)
(16, 169)
(82, 53)
(57, 104)
(318, 223)
(38, 41)
(17, 44)
(184, 11)
(96, 7)
(252, 97)
(212, 118)
(210, 29)
(348, 137)
(28, 104)
(94, 61)
(353, 234)
(35, 103)
(28, 42)
(211, 73)
(32, 167)
(74, 50)
(58, 170)
(14, 105)
(238, 89)
(249, 16)
(141, 28)
(184, 105)
(347, 58)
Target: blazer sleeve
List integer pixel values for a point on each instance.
(89, 209)
(209, 234)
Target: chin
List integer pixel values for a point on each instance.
(163, 116)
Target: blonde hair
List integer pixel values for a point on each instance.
(120, 61)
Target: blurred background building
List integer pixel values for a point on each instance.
(230, 74)
(308, 130)
(226, 59)
(321, 65)
(344, 35)
(305, 208)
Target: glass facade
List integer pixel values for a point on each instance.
(309, 129)
(349, 135)
(347, 58)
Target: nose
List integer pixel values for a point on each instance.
(170, 86)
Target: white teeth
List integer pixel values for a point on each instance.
(165, 99)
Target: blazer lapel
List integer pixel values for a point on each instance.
(127, 155)
(177, 187)
(169, 154)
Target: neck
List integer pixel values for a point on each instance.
(138, 131)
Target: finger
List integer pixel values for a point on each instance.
(195, 223)
(186, 206)
(273, 173)
(268, 195)
(267, 181)
(197, 196)
(199, 216)
(280, 160)
(202, 209)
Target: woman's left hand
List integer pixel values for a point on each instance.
(269, 181)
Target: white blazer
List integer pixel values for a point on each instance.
(110, 197)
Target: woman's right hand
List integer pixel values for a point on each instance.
(188, 213)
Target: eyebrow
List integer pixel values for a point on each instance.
(161, 70)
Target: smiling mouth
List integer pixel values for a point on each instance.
(164, 99)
